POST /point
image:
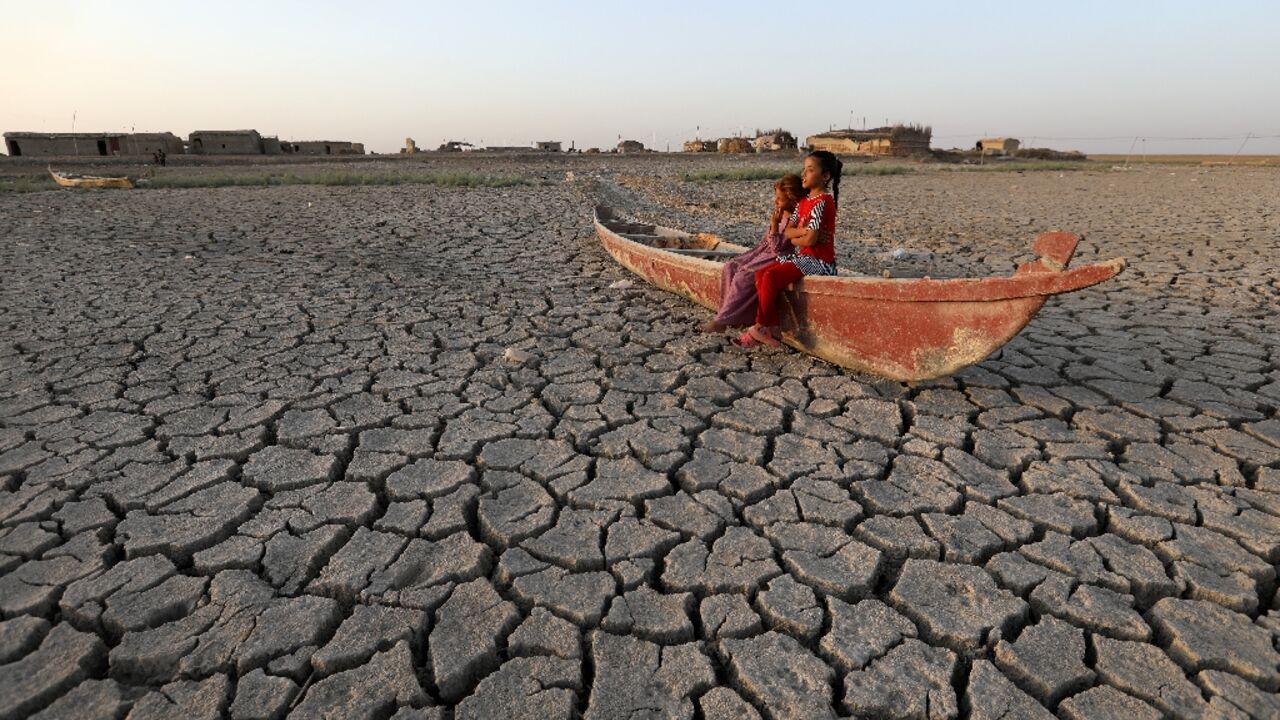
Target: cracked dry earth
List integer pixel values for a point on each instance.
(264, 453)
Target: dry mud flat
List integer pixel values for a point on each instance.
(264, 452)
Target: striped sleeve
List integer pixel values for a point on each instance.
(815, 215)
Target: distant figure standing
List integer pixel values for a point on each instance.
(162, 157)
(737, 278)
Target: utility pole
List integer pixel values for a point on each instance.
(1246, 140)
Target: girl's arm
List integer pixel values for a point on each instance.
(809, 235)
(801, 237)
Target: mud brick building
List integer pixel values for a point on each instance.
(328, 147)
(894, 141)
(700, 146)
(31, 144)
(225, 142)
(775, 141)
(998, 146)
(735, 145)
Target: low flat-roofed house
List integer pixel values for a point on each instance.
(272, 145)
(700, 146)
(547, 145)
(328, 147)
(775, 141)
(998, 146)
(29, 144)
(895, 141)
(32, 144)
(631, 146)
(225, 142)
(146, 144)
(735, 145)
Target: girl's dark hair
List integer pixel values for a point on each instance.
(832, 166)
(791, 186)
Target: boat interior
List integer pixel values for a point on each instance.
(681, 243)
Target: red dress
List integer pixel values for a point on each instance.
(812, 213)
(816, 213)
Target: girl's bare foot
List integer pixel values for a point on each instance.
(711, 326)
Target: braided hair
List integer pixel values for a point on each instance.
(832, 166)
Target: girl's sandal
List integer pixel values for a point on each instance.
(752, 339)
(765, 336)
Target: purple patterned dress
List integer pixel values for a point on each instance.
(738, 278)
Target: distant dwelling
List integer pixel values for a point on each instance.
(327, 147)
(998, 146)
(735, 145)
(225, 142)
(147, 144)
(775, 141)
(410, 147)
(200, 142)
(631, 146)
(272, 145)
(30, 144)
(547, 145)
(455, 146)
(895, 141)
(700, 146)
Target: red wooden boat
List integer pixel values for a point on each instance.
(903, 329)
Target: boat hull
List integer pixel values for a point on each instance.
(903, 329)
(90, 181)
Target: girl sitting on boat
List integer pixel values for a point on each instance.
(813, 230)
(737, 278)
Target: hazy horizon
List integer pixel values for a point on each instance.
(1090, 75)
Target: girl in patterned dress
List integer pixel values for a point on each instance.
(813, 231)
(737, 277)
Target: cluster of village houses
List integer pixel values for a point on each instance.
(200, 142)
(892, 141)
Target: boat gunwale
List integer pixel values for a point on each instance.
(971, 289)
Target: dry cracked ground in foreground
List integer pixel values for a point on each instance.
(263, 452)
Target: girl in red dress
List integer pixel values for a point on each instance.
(813, 231)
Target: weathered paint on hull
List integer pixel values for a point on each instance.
(903, 329)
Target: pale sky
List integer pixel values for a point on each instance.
(1070, 74)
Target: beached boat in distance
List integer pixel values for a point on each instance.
(903, 329)
(69, 180)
